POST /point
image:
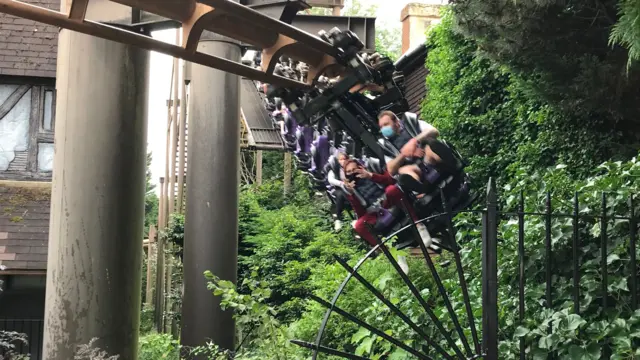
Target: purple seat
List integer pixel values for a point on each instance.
(384, 219)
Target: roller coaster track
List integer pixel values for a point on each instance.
(223, 17)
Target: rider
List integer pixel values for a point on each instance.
(398, 136)
(438, 161)
(336, 178)
(369, 193)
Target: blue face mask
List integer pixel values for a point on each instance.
(387, 131)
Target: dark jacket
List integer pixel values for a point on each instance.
(380, 181)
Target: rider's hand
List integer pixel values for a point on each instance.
(409, 149)
(349, 185)
(363, 174)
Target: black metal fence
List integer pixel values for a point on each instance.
(34, 331)
(604, 216)
(493, 217)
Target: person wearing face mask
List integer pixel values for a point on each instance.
(398, 137)
(369, 193)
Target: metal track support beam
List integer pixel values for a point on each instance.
(211, 222)
(97, 201)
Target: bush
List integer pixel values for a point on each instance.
(147, 319)
(574, 335)
(9, 340)
(158, 346)
(494, 119)
(283, 239)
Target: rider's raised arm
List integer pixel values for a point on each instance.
(395, 164)
(427, 131)
(383, 179)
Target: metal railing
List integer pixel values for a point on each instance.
(460, 338)
(33, 329)
(606, 215)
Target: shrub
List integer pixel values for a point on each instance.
(8, 345)
(158, 346)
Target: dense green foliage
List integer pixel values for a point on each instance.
(626, 32)
(158, 346)
(560, 50)
(574, 336)
(283, 238)
(494, 120)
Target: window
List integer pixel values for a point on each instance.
(45, 157)
(47, 121)
(43, 147)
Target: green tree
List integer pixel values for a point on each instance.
(560, 49)
(626, 32)
(494, 119)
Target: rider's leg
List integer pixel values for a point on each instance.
(362, 228)
(411, 170)
(394, 196)
(341, 200)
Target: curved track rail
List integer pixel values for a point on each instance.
(462, 348)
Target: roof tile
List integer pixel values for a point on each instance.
(24, 225)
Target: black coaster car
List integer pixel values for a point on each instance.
(456, 189)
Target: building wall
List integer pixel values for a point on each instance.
(416, 86)
(28, 48)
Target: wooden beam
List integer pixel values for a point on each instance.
(35, 117)
(13, 99)
(173, 132)
(26, 184)
(150, 262)
(54, 18)
(259, 167)
(159, 298)
(78, 9)
(184, 104)
(287, 172)
(24, 272)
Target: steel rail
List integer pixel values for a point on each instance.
(285, 29)
(116, 34)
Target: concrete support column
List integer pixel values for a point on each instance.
(97, 201)
(211, 222)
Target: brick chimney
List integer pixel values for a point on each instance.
(416, 19)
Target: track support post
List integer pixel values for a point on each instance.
(97, 202)
(211, 221)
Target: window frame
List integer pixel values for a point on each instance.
(43, 93)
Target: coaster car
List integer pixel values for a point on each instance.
(455, 185)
